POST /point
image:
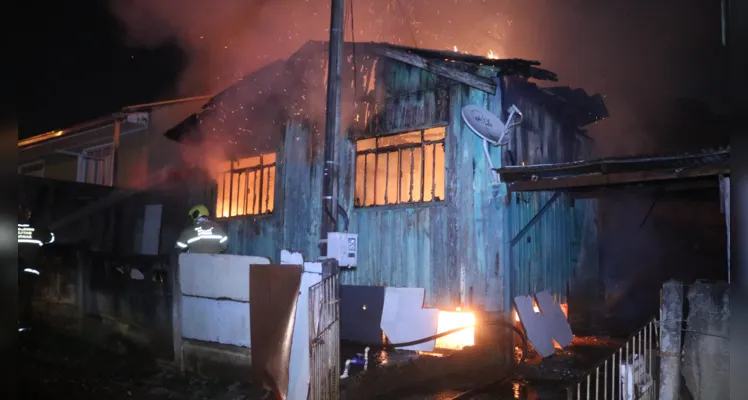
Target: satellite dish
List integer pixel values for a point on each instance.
(489, 127)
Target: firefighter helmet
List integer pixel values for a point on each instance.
(198, 211)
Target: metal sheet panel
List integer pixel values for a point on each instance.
(217, 276)
(219, 321)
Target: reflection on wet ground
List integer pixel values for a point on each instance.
(543, 378)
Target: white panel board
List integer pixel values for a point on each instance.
(151, 229)
(216, 275)
(298, 366)
(219, 321)
(404, 319)
(542, 327)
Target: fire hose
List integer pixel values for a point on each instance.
(451, 331)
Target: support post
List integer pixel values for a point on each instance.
(671, 322)
(83, 283)
(332, 122)
(176, 311)
(115, 150)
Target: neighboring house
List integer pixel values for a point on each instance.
(413, 178)
(85, 152)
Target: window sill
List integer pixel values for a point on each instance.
(401, 206)
(257, 217)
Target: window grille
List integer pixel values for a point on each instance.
(402, 168)
(247, 187)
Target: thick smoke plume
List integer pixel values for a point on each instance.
(642, 56)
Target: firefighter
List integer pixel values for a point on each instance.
(30, 240)
(203, 235)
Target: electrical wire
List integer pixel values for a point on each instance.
(353, 49)
(410, 30)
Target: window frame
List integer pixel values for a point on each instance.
(30, 164)
(259, 167)
(82, 166)
(377, 150)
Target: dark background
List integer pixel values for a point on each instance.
(660, 65)
(82, 68)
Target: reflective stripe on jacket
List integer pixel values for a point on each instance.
(205, 236)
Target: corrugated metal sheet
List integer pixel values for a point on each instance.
(706, 157)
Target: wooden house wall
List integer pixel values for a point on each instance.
(456, 249)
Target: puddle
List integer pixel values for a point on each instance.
(523, 390)
(377, 356)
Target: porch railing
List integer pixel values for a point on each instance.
(630, 373)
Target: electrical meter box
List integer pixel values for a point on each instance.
(343, 247)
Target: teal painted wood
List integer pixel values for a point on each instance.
(458, 249)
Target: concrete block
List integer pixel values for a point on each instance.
(220, 321)
(216, 275)
(706, 347)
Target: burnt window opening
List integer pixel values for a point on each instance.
(402, 168)
(247, 187)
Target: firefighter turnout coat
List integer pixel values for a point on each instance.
(204, 236)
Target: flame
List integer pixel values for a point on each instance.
(449, 320)
(454, 48)
(564, 308)
(491, 55)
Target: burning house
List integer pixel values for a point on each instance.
(415, 183)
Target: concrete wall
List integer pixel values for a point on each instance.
(211, 333)
(117, 303)
(706, 341)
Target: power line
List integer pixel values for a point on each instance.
(410, 30)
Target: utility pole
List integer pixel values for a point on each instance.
(332, 122)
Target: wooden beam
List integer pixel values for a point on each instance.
(535, 219)
(675, 187)
(592, 180)
(439, 67)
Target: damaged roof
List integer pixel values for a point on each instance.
(475, 71)
(617, 171)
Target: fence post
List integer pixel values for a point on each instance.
(83, 283)
(176, 311)
(671, 320)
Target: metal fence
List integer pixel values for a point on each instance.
(324, 335)
(630, 373)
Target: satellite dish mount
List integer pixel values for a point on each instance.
(490, 128)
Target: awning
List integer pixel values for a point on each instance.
(683, 169)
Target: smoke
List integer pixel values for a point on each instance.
(640, 55)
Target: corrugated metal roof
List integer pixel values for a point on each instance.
(707, 157)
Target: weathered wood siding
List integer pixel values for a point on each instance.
(560, 245)
(457, 249)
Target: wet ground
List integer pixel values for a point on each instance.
(539, 379)
(54, 366)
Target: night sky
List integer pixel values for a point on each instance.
(86, 70)
(660, 66)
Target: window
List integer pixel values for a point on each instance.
(403, 168)
(35, 168)
(247, 187)
(95, 165)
